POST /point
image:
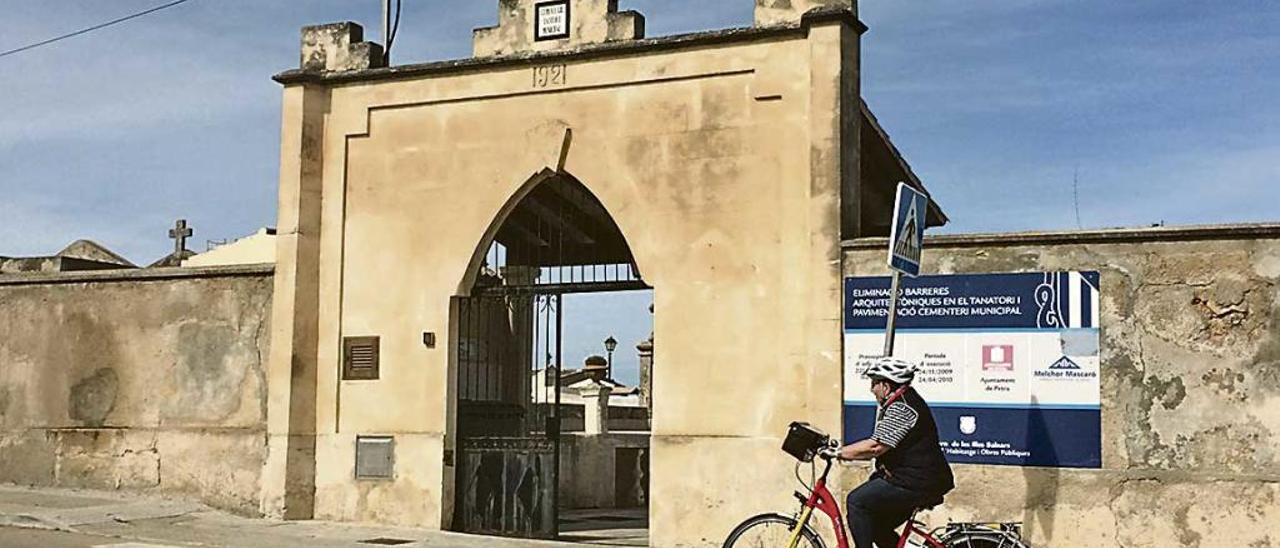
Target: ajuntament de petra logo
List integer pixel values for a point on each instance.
(997, 357)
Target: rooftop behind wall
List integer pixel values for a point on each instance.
(1190, 386)
(145, 379)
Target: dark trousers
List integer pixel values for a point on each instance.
(876, 509)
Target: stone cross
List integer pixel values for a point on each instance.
(179, 233)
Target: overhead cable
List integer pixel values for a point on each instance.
(91, 29)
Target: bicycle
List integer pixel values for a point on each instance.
(774, 530)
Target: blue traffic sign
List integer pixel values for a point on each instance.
(906, 240)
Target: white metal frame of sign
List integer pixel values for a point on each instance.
(551, 20)
(906, 247)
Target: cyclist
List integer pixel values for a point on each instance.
(911, 471)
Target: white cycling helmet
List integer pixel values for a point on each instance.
(892, 369)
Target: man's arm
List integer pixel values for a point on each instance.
(863, 450)
(891, 429)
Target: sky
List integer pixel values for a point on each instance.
(1148, 111)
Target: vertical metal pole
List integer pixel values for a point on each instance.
(555, 493)
(891, 326)
(386, 30)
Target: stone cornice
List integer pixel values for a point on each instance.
(136, 275)
(1109, 235)
(595, 51)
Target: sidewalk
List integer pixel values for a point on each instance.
(169, 522)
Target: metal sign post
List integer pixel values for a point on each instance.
(891, 326)
(906, 242)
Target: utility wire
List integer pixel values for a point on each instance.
(91, 29)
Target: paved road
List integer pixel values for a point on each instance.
(32, 538)
(38, 517)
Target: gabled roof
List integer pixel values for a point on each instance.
(882, 168)
(93, 251)
(172, 260)
(80, 255)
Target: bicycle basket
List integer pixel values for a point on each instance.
(803, 441)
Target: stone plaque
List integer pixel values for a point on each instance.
(551, 21)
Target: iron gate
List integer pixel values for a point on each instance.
(509, 414)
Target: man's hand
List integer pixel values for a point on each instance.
(831, 451)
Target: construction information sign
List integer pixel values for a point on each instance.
(1009, 363)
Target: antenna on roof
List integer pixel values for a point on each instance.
(386, 28)
(1075, 195)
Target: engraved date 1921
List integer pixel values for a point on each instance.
(549, 76)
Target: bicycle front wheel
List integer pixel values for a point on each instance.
(771, 531)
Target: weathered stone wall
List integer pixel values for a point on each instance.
(140, 380)
(589, 472)
(1190, 388)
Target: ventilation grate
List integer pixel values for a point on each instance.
(360, 359)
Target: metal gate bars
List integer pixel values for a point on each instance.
(509, 414)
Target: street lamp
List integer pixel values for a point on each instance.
(610, 344)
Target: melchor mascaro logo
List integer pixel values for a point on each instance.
(1065, 368)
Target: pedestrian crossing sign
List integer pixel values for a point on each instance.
(906, 238)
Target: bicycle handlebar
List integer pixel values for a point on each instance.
(831, 451)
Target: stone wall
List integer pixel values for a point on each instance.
(1190, 388)
(140, 380)
(589, 470)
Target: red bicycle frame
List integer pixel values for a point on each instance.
(820, 499)
(913, 526)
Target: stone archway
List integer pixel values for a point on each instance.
(552, 238)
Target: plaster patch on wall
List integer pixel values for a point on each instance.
(1155, 512)
(210, 370)
(1268, 266)
(1267, 358)
(982, 261)
(93, 398)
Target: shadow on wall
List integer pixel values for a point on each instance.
(1041, 483)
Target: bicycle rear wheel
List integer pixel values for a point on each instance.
(982, 539)
(771, 531)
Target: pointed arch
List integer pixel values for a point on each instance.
(554, 222)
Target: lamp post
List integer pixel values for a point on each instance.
(610, 344)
